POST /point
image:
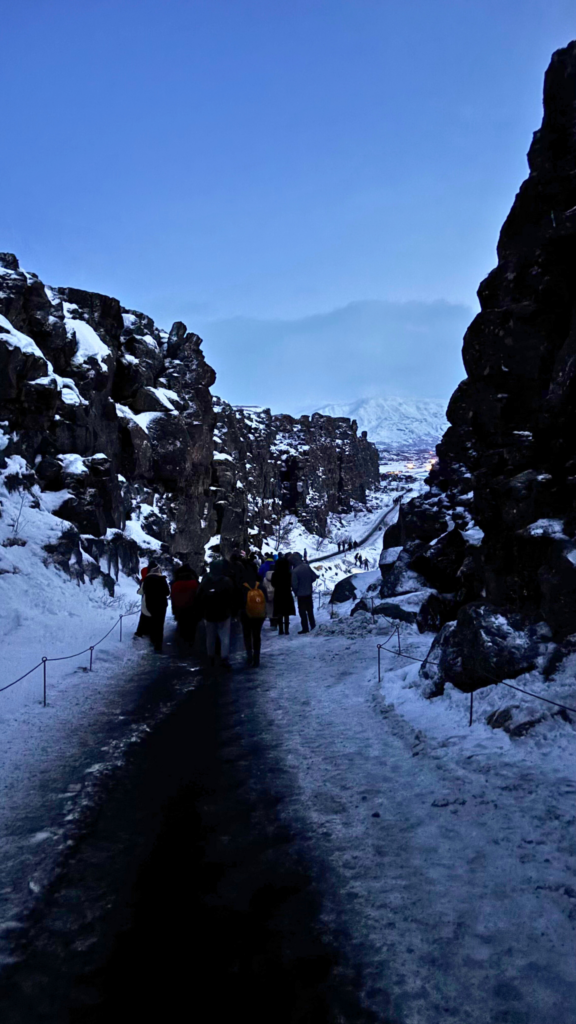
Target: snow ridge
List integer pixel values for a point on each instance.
(391, 421)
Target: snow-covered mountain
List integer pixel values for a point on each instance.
(395, 422)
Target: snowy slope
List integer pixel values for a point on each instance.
(395, 422)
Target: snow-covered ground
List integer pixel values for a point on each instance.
(447, 852)
(50, 756)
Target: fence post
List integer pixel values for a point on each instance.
(379, 649)
(471, 706)
(121, 628)
(91, 656)
(372, 600)
(44, 660)
(398, 638)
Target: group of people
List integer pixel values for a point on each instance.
(363, 563)
(347, 545)
(239, 587)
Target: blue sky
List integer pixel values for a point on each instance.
(243, 163)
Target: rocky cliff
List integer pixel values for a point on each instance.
(115, 417)
(496, 534)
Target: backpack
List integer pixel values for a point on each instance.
(255, 602)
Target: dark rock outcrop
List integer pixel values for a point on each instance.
(118, 416)
(505, 480)
(266, 466)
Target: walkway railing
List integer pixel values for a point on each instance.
(498, 682)
(67, 657)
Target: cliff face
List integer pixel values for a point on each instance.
(116, 418)
(507, 463)
(266, 466)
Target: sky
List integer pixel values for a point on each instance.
(314, 186)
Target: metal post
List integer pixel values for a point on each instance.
(372, 601)
(379, 649)
(91, 656)
(44, 660)
(471, 706)
(120, 628)
(398, 636)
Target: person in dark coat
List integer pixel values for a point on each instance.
(283, 600)
(303, 579)
(216, 603)
(251, 627)
(156, 593)
(183, 597)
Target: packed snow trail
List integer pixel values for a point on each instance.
(440, 856)
(381, 519)
(190, 893)
(449, 865)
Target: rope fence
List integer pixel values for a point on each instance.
(498, 682)
(67, 657)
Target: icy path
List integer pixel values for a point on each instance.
(449, 862)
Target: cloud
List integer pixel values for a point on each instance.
(364, 349)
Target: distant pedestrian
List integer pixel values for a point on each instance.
(183, 597)
(215, 599)
(303, 579)
(156, 593)
(366, 564)
(283, 600)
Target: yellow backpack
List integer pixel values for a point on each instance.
(255, 602)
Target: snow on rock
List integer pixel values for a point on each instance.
(73, 464)
(16, 339)
(88, 344)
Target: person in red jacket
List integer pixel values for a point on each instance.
(183, 597)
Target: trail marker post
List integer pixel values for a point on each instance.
(44, 660)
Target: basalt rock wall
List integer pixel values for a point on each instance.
(268, 466)
(115, 418)
(496, 534)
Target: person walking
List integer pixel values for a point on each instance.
(266, 566)
(143, 627)
(283, 600)
(269, 594)
(156, 593)
(215, 602)
(252, 613)
(183, 598)
(303, 578)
